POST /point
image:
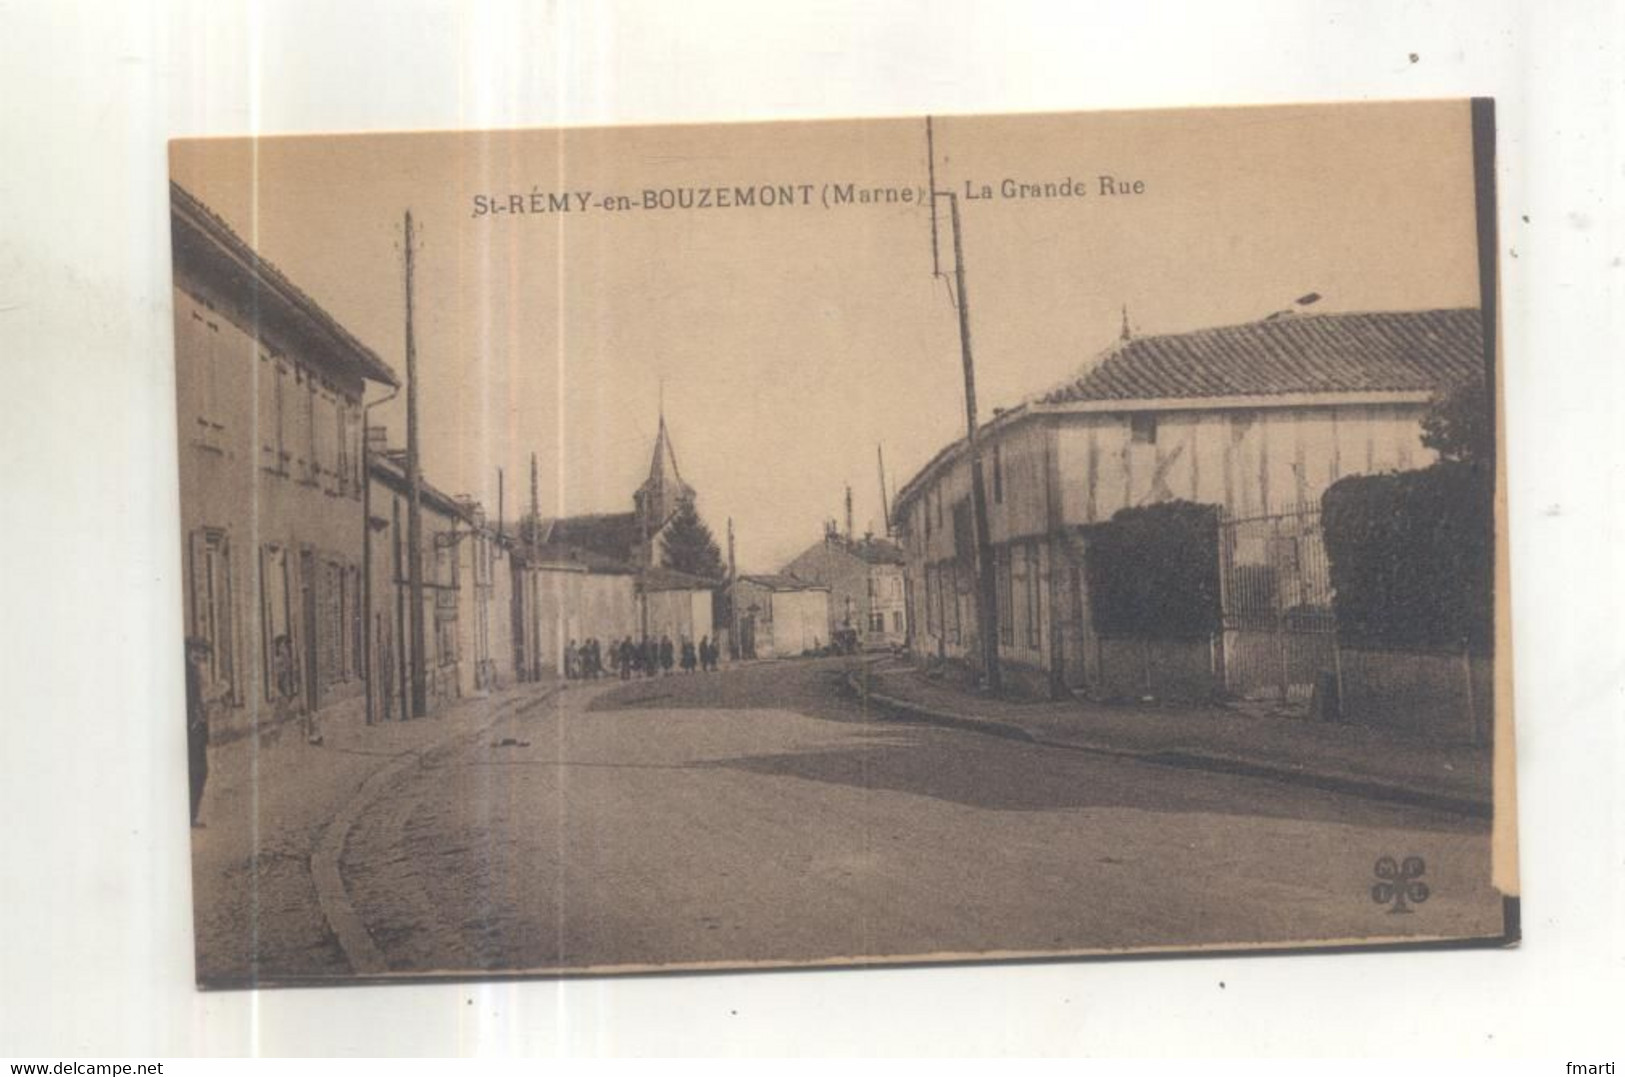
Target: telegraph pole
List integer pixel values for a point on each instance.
(885, 510)
(414, 514)
(986, 586)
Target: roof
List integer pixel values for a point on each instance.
(203, 241)
(875, 551)
(392, 472)
(1300, 359)
(614, 535)
(552, 553)
(661, 578)
(782, 582)
(1422, 350)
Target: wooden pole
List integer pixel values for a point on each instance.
(414, 517)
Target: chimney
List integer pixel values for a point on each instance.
(472, 509)
(849, 512)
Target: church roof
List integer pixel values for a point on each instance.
(612, 535)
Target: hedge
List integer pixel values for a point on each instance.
(1412, 558)
(1153, 571)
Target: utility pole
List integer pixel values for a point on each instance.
(535, 533)
(987, 593)
(414, 515)
(885, 511)
(499, 502)
(849, 512)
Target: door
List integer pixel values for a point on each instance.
(307, 596)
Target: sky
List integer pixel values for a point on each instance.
(787, 343)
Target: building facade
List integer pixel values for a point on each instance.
(449, 646)
(269, 391)
(866, 587)
(779, 616)
(1257, 419)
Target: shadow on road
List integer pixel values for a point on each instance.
(977, 770)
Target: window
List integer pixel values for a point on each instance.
(877, 622)
(200, 339)
(998, 474)
(1034, 622)
(212, 615)
(950, 600)
(871, 582)
(1143, 429)
(897, 621)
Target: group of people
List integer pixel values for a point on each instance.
(647, 657)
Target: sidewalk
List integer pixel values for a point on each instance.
(1372, 763)
(256, 909)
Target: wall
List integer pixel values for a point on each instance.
(678, 614)
(571, 604)
(800, 622)
(1250, 461)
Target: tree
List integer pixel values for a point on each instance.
(1459, 426)
(690, 546)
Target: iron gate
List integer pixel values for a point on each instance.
(1279, 632)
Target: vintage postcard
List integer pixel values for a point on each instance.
(852, 542)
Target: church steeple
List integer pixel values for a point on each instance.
(663, 491)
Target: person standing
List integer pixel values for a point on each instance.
(689, 659)
(668, 656)
(626, 658)
(197, 724)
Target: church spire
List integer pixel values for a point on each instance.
(664, 454)
(658, 499)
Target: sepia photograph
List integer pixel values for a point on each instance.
(842, 543)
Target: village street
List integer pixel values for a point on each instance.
(762, 815)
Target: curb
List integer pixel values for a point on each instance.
(1331, 781)
(357, 943)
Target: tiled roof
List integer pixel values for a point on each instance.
(197, 231)
(1421, 350)
(877, 551)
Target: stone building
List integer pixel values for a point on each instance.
(269, 389)
(866, 588)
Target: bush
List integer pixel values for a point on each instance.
(1154, 571)
(1412, 558)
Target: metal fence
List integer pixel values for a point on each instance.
(1279, 633)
